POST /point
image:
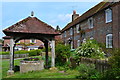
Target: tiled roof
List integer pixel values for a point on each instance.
(89, 13)
(31, 25)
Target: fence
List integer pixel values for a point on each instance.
(100, 65)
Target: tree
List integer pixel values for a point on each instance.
(57, 28)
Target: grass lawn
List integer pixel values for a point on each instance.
(37, 74)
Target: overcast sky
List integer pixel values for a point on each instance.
(52, 13)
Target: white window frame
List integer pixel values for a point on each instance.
(108, 15)
(71, 31)
(65, 34)
(90, 22)
(78, 43)
(32, 42)
(91, 38)
(18, 42)
(109, 41)
(77, 28)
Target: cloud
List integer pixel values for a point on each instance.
(65, 17)
(61, 20)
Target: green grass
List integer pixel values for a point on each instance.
(37, 74)
(45, 74)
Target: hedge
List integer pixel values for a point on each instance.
(31, 52)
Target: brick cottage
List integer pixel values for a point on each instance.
(102, 23)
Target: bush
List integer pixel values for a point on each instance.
(35, 52)
(89, 49)
(4, 53)
(43, 50)
(87, 71)
(31, 52)
(62, 54)
(21, 52)
(114, 72)
(111, 74)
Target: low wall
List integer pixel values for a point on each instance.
(100, 65)
(26, 66)
(15, 56)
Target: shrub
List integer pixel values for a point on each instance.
(111, 74)
(43, 50)
(4, 53)
(31, 52)
(35, 52)
(21, 52)
(114, 72)
(89, 49)
(62, 54)
(87, 71)
(114, 60)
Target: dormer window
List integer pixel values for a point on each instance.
(108, 15)
(90, 22)
(32, 41)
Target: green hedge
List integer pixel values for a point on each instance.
(35, 52)
(31, 52)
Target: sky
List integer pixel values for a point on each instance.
(52, 13)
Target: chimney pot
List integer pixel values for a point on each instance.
(74, 11)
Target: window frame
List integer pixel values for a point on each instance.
(91, 24)
(71, 31)
(77, 28)
(78, 43)
(65, 34)
(109, 41)
(107, 14)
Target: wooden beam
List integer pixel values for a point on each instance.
(11, 71)
(53, 53)
(46, 55)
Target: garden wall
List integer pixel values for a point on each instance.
(100, 65)
(15, 56)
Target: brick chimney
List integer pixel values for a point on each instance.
(74, 16)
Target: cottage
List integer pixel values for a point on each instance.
(102, 23)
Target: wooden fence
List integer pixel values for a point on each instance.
(100, 65)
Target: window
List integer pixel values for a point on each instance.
(71, 31)
(18, 42)
(32, 41)
(91, 38)
(109, 41)
(90, 22)
(65, 34)
(108, 14)
(78, 28)
(78, 43)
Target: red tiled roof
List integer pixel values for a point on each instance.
(89, 13)
(31, 25)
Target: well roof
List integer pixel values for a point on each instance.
(31, 25)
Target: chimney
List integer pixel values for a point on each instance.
(74, 16)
